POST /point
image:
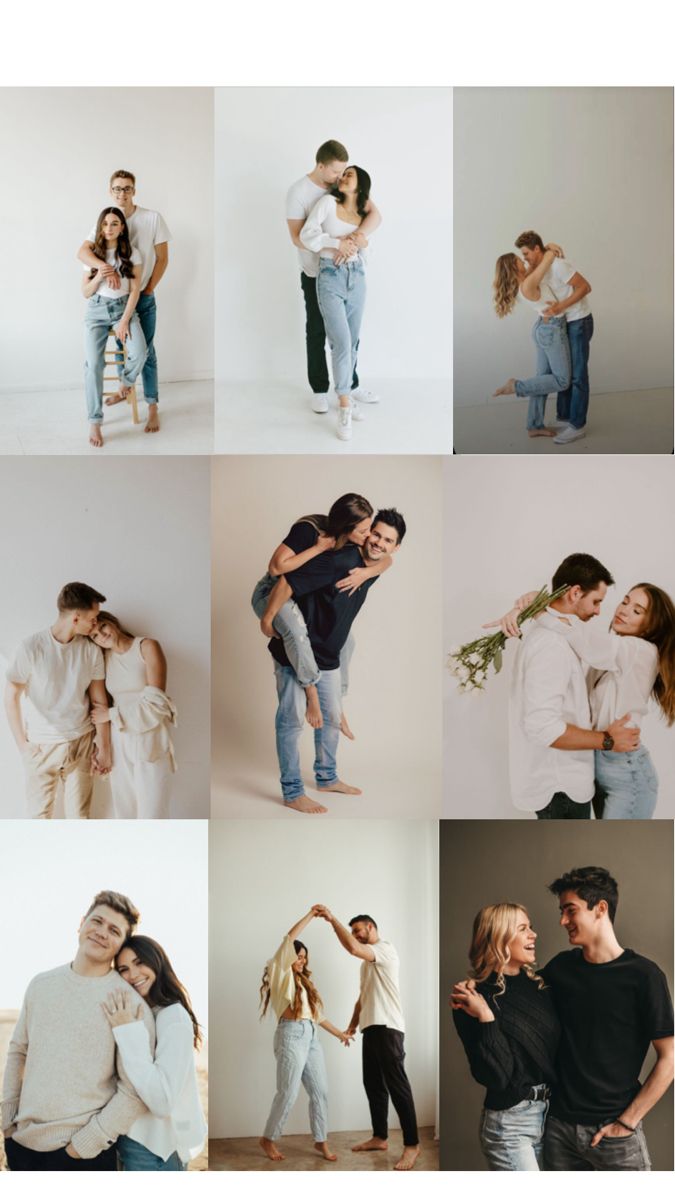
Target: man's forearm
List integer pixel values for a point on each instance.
(655, 1085)
(575, 738)
(344, 936)
(159, 270)
(15, 716)
(354, 1023)
(86, 255)
(577, 294)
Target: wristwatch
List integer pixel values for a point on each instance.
(607, 741)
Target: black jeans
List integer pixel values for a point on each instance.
(384, 1076)
(20, 1158)
(561, 808)
(315, 336)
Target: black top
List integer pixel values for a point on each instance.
(516, 1051)
(328, 612)
(609, 1012)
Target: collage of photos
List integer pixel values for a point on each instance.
(296, 699)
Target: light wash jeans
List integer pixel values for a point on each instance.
(136, 1157)
(341, 295)
(102, 313)
(290, 625)
(299, 1056)
(512, 1139)
(290, 722)
(552, 366)
(146, 311)
(628, 783)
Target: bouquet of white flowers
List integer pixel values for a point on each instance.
(470, 663)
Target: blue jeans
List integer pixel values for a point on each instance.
(135, 1157)
(627, 783)
(341, 294)
(299, 1056)
(290, 722)
(572, 403)
(552, 367)
(290, 625)
(146, 311)
(102, 313)
(512, 1139)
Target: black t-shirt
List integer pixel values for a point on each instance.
(328, 612)
(610, 1013)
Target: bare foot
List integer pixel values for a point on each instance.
(325, 1149)
(373, 1143)
(313, 713)
(95, 435)
(304, 804)
(408, 1159)
(152, 423)
(344, 728)
(508, 389)
(339, 786)
(541, 432)
(271, 1150)
(118, 398)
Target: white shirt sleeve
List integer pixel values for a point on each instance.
(159, 1081)
(20, 669)
(295, 209)
(312, 234)
(563, 269)
(545, 683)
(162, 232)
(98, 663)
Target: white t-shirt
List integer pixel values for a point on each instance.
(113, 259)
(300, 201)
(147, 229)
(379, 996)
(56, 676)
(546, 296)
(557, 277)
(324, 227)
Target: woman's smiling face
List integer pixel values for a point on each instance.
(138, 974)
(105, 635)
(111, 227)
(349, 182)
(630, 617)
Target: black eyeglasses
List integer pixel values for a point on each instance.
(118, 191)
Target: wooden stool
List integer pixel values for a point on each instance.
(112, 357)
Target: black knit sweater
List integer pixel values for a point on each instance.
(517, 1050)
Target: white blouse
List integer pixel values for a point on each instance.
(622, 672)
(324, 228)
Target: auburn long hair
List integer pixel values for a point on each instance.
(303, 983)
(660, 630)
(126, 267)
(494, 929)
(506, 284)
(345, 514)
(167, 988)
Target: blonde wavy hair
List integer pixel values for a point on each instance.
(506, 284)
(494, 928)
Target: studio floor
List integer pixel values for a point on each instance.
(618, 423)
(56, 423)
(244, 1154)
(412, 417)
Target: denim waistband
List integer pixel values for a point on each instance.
(109, 299)
(551, 321)
(352, 262)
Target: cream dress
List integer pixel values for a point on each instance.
(143, 761)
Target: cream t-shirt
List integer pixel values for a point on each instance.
(379, 996)
(56, 676)
(282, 982)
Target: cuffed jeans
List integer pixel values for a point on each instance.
(512, 1139)
(561, 808)
(341, 293)
(290, 722)
(101, 314)
(567, 1147)
(315, 339)
(290, 625)
(384, 1076)
(299, 1056)
(146, 311)
(626, 785)
(552, 367)
(572, 404)
(136, 1157)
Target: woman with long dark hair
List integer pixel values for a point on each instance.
(141, 718)
(506, 1019)
(173, 1130)
(111, 308)
(341, 284)
(288, 989)
(348, 520)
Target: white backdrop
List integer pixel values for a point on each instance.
(507, 538)
(591, 169)
(263, 878)
(137, 531)
(266, 139)
(59, 147)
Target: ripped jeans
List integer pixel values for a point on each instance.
(290, 625)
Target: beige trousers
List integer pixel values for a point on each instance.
(50, 765)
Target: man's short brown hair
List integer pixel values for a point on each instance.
(78, 596)
(123, 175)
(119, 904)
(330, 152)
(531, 240)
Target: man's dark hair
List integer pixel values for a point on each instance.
(331, 151)
(581, 570)
(590, 884)
(78, 596)
(362, 917)
(531, 240)
(391, 516)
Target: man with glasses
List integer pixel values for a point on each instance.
(150, 235)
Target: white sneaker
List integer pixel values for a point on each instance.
(357, 413)
(559, 424)
(320, 402)
(569, 434)
(365, 396)
(344, 424)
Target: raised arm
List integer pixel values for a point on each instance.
(13, 694)
(530, 284)
(155, 663)
(344, 935)
(301, 924)
(284, 559)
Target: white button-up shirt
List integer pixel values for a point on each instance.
(548, 692)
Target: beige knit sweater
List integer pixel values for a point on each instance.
(64, 1081)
